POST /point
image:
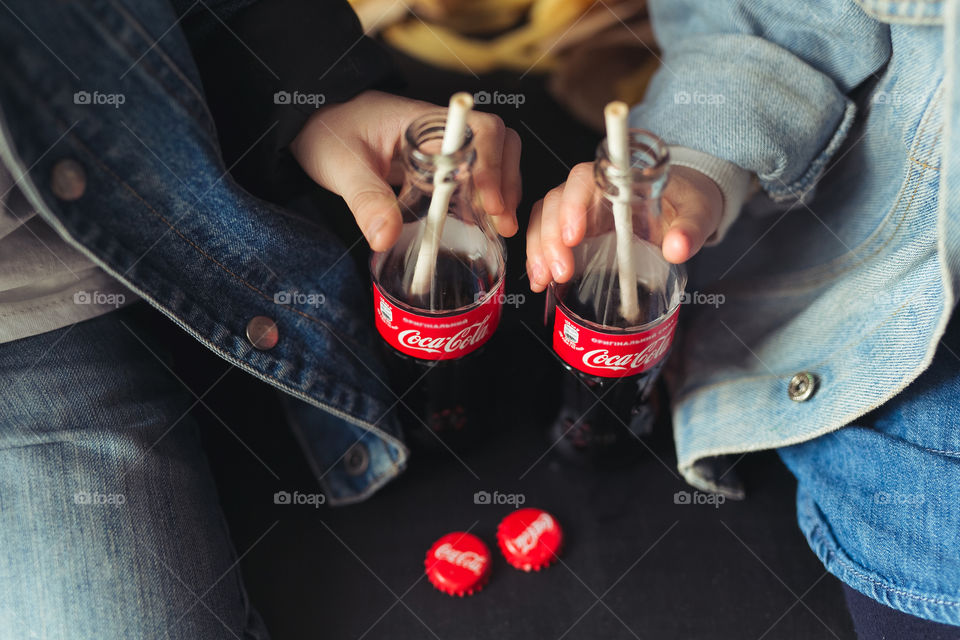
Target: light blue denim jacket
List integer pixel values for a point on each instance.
(846, 265)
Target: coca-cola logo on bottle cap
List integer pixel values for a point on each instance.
(458, 564)
(530, 539)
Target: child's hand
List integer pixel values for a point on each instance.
(692, 206)
(353, 150)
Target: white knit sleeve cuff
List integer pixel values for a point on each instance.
(735, 183)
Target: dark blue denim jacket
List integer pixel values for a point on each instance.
(161, 213)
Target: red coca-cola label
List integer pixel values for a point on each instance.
(431, 337)
(608, 354)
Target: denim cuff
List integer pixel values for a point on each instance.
(915, 12)
(750, 102)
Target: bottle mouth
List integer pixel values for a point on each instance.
(423, 139)
(649, 158)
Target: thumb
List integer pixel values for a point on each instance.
(373, 204)
(354, 178)
(693, 205)
(369, 197)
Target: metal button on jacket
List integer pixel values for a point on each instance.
(356, 459)
(68, 179)
(262, 333)
(801, 386)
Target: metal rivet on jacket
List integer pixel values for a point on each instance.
(357, 459)
(262, 333)
(801, 386)
(68, 179)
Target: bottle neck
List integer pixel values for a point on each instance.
(422, 161)
(643, 181)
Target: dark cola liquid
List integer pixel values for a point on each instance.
(441, 401)
(601, 420)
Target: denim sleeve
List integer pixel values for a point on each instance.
(761, 83)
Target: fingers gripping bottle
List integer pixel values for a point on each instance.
(434, 334)
(612, 362)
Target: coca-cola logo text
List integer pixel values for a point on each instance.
(469, 560)
(467, 337)
(603, 359)
(528, 538)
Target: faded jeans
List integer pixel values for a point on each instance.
(110, 524)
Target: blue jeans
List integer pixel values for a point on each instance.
(110, 525)
(879, 500)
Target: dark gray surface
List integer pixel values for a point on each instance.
(662, 570)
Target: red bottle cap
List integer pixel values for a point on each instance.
(458, 564)
(530, 539)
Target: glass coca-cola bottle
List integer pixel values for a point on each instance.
(434, 337)
(613, 361)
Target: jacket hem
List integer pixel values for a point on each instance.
(938, 608)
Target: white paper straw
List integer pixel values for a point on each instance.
(453, 133)
(618, 146)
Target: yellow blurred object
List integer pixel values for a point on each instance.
(441, 47)
(377, 14)
(475, 17)
(526, 48)
(595, 51)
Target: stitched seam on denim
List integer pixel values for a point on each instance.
(923, 164)
(145, 67)
(880, 10)
(945, 452)
(833, 275)
(857, 572)
(147, 36)
(198, 108)
(833, 272)
(935, 103)
(190, 242)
